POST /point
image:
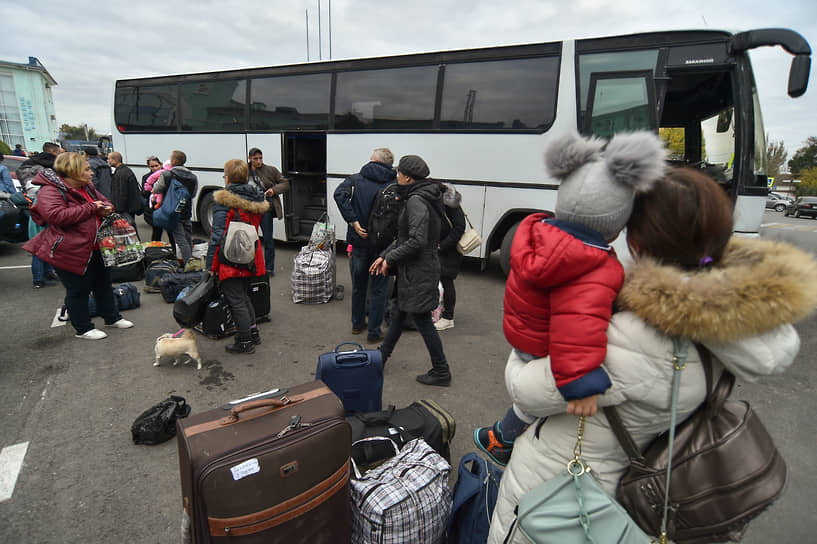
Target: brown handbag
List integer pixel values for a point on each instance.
(724, 468)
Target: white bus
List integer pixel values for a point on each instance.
(479, 117)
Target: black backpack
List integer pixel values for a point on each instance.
(383, 217)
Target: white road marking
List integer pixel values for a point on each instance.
(56, 321)
(15, 267)
(11, 461)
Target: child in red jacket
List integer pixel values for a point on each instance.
(565, 275)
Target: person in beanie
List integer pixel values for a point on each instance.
(565, 275)
(414, 256)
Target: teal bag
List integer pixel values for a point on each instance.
(572, 508)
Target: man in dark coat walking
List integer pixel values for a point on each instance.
(414, 255)
(354, 198)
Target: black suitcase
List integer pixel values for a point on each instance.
(217, 321)
(259, 293)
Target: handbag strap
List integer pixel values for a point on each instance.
(680, 348)
(466, 218)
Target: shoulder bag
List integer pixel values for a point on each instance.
(572, 508)
(718, 469)
(470, 239)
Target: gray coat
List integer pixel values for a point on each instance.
(414, 253)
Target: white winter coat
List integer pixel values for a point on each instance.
(741, 310)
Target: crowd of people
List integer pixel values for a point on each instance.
(584, 332)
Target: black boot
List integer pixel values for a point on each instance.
(241, 347)
(435, 377)
(255, 336)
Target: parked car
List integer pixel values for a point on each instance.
(12, 162)
(803, 206)
(777, 201)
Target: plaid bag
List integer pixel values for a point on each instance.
(406, 499)
(313, 276)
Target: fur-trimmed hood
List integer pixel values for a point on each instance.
(757, 286)
(243, 197)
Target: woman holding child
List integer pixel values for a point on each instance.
(690, 278)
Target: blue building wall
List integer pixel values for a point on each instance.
(27, 112)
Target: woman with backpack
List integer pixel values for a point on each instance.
(451, 231)
(240, 203)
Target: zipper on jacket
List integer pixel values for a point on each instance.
(56, 244)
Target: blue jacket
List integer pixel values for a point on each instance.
(6, 183)
(373, 177)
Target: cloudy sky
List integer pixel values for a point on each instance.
(87, 45)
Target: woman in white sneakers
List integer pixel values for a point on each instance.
(73, 210)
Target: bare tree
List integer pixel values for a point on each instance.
(776, 156)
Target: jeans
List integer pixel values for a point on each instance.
(449, 297)
(97, 280)
(235, 292)
(183, 236)
(430, 336)
(267, 223)
(359, 263)
(39, 268)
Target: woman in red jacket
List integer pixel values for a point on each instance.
(239, 201)
(72, 208)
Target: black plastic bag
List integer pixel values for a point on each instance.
(157, 424)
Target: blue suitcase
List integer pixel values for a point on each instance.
(355, 376)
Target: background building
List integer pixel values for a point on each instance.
(27, 114)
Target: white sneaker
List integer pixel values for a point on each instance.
(93, 334)
(444, 324)
(121, 324)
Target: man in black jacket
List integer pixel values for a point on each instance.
(414, 255)
(354, 198)
(126, 196)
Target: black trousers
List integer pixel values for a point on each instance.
(96, 280)
(235, 292)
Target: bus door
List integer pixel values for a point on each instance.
(304, 164)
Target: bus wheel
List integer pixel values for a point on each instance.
(206, 209)
(505, 249)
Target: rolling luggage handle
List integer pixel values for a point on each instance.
(351, 358)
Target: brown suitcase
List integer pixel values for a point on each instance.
(274, 470)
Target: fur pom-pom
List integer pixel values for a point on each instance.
(636, 159)
(570, 152)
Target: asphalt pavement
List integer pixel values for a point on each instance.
(67, 404)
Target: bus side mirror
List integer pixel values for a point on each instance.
(798, 75)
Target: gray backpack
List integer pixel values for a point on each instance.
(240, 243)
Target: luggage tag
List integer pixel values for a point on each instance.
(271, 394)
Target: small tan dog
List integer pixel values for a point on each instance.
(181, 343)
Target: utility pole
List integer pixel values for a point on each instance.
(330, 29)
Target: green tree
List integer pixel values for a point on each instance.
(674, 140)
(71, 132)
(808, 182)
(4, 148)
(805, 157)
(776, 156)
